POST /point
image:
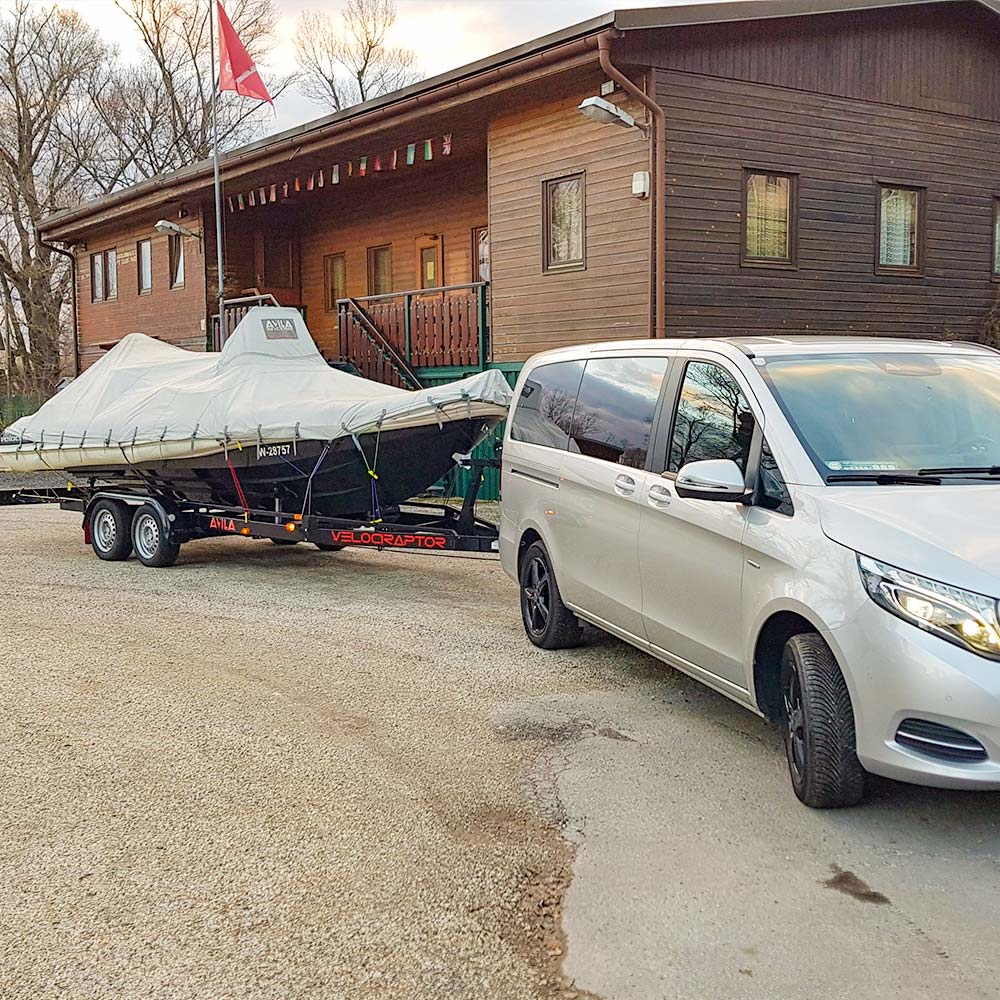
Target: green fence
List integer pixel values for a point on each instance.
(14, 407)
(457, 482)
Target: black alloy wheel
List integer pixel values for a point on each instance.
(548, 623)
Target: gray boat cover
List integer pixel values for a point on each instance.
(150, 401)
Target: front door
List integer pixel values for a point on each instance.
(276, 264)
(430, 261)
(599, 494)
(691, 551)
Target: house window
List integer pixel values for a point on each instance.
(104, 275)
(899, 225)
(379, 270)
(144, 265)
(480, 254)
(769, 218)
(335, 268)
(175, 247)
(564, 223)
(996, 239)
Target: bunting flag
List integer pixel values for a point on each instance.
(268, 194)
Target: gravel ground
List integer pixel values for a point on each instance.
(277, 773)
(267, 772)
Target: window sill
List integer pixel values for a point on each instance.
(899, 272)
(769, 264)
(563, 268)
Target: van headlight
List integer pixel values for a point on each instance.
(960, 616)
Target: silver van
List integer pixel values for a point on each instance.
(808, 525)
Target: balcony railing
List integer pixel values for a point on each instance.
(387, 336)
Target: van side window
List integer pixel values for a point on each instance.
(713, 419)
(544, 411)
(614, 412)
(773, 493)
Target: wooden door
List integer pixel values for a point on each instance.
(430, 261)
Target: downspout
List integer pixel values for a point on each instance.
(658, 168)
(76, 320)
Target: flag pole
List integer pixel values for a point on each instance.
(218, 184)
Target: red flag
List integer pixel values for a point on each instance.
(236, 69)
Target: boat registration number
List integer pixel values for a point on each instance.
(274, 450)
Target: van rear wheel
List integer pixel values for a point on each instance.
(819, 726)
(547, 621)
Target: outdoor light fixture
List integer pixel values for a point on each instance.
(597, 109)
(167, 228)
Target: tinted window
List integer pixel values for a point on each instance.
(614, 411)
(773, 493)
(544, 410)
(713, 419)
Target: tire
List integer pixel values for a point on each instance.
(548, 623)
(328, 546)
(819, 726)
(151, 540)
(111, 530)
(285, 541)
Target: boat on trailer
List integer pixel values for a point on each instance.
(264, 424)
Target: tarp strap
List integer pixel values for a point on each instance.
(376, 510)
(236, 483)
(307, 499)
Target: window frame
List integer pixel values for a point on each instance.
(370, 258)
(176, 240)
(138, 266)
(548, 184)
(791, 262)
(893, 270)
(104, 258)
(330, 303)
(994, 257)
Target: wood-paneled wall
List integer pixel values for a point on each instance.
(936, 57)
(532, 310)
(841, 150)
(175, 315)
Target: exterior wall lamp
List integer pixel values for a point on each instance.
(597, 109)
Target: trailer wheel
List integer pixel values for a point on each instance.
(285, 541)
(547, 621)
(151, 539)
(111, 530)
(328, 546)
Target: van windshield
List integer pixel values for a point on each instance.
(892, 413)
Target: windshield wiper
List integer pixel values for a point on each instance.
(957, 470)
(886, 478)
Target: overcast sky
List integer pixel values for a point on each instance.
(443, 34)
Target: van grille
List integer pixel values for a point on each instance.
(942, 742)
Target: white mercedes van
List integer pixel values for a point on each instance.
(808, 525)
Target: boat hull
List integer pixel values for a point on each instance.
(406, 462)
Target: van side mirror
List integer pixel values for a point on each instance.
(712, 479)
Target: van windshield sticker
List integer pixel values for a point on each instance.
(863, 466)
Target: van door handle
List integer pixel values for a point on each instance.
(625, 486)
(658, 496)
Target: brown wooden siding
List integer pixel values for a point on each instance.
(445, 197)
(170, 314)
(841, 150)
(936, 57)
(532, 310)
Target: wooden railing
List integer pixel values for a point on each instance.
(424, 328)
(236, 309)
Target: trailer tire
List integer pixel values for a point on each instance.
(285, 541)
(153, 543)
(548, 623)
(110, 524)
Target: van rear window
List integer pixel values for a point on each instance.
(544, 411)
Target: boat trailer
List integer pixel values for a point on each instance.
(154, 523)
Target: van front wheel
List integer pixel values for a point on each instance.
(547, 621)
(819, 726)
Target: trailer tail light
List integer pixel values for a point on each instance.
(290, 526)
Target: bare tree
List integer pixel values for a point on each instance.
(347, 63)
(48, 61)
(159, 117)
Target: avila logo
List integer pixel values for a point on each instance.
(279, 329)
(222, 524)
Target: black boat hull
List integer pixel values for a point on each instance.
(406, 462)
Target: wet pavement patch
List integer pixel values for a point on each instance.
(849, 884)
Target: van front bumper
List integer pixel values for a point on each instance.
(895, 671)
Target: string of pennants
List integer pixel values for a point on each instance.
(268, 194)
